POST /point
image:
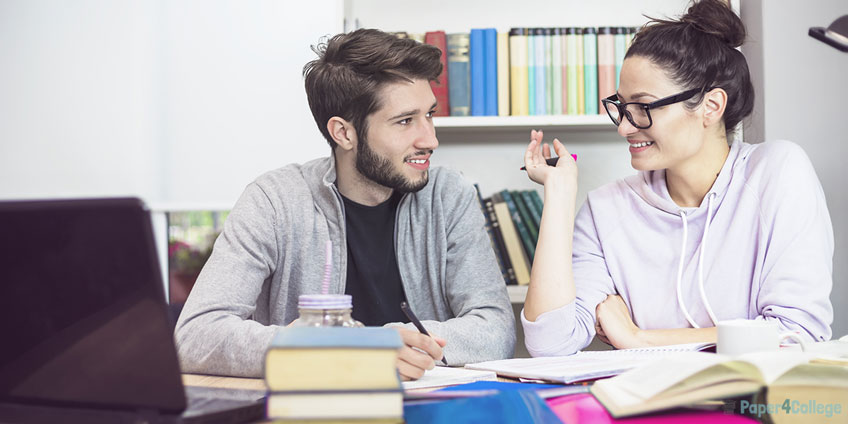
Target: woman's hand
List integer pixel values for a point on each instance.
(539, 171)
(614, 324)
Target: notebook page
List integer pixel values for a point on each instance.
(585, 365)
(447, 376)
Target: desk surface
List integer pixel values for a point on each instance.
(255, 383)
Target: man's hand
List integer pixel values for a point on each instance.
(614, 324)
(418, 354)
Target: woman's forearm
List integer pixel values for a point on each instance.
(551, 277)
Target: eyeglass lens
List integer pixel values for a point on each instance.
(637, 115)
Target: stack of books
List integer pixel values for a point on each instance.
(512, 220)
(334, 374)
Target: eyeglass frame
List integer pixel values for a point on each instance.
(665, 101)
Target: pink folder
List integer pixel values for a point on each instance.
(584, 408)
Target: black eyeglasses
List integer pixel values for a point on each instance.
(639, 113)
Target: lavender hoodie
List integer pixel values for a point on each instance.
(762, 232)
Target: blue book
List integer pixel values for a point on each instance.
(478, 72)
(459, 77)
(507, 406)
(523, 233)
(541, 70)
(490, 40)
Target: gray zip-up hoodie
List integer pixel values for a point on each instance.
(272, 250)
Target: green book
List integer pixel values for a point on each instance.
(535, 212)
(520, 226)
(524, 211)
(538, 201)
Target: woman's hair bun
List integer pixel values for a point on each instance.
(715, 17)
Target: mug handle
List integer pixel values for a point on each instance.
(795, 337)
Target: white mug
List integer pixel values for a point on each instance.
(740, 336)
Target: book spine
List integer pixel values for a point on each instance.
(538, 202)
(581, 88)
(503, 74)
(490, 58)
(606, 65)
(590, 70)
(549, 71)
(571, 66)
(490, 229)
(523, 210)
(535, 212)
(556, 72)
(531, 71)
(520, 226)
(459, 74)
(563, 64)
(540, 54)
(503, 255)
(518, 70)
(620, 41)
(440, 86)
(516, 253)
(477, 51)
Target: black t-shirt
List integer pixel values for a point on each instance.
(373, 278)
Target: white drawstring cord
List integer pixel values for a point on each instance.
(680, 274)
(701, 260)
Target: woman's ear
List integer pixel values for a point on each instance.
(342, 132)
(715, 101)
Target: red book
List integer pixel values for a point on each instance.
(440, 87)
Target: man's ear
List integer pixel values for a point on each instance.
(342, 132)
(715, 101)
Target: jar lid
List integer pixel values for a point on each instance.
(325, 301)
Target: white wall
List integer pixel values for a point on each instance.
(801, 86)
(175, 102)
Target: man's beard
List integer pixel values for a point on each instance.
(381, 171)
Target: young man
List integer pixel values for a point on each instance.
(400, 231)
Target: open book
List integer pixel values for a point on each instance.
(585, 365)
(696, 377)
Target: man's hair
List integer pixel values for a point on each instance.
(352, 68)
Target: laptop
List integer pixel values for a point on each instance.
(85, 333)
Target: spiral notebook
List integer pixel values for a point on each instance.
(585, 365)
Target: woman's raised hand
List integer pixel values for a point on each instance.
(540, 172)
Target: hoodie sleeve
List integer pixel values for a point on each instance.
(214, 334)
(797, 278)
(482, 322)
(566, 330)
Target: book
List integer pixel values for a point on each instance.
(584, 365)
(440, 86)
(606, 65)
(619, 35)
(490, 69)
(532, 207)
(590, 70)
(581, 87)
(515, 251)
(537, 200)
(526, 218)
(571, 69)
(448, 376)
(503, 74)
(364, 405)
(584, 408)
(506, 406)
(518, 71)
(774, 377)
(492, 232)
(556, 71)
(531, 72)
(459, 74)
(540, 89)
(332, 358)
(523, 233)
(477, 54)
(503, 256)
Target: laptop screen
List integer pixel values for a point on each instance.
(84, 319)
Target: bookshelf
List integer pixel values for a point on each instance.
(496, 123)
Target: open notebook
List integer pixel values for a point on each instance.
(585, 365)
(447, 376)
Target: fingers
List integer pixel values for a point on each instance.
(561, 151)
(422, 342)
(412, 364)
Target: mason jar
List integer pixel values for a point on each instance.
(325, 310)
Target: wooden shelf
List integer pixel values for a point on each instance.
(585, 122)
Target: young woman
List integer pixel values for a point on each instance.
(706, 231)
